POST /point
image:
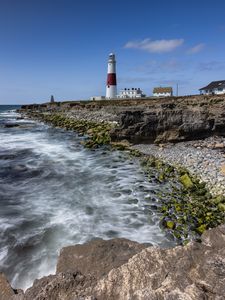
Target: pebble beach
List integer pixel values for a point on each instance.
(203, 158)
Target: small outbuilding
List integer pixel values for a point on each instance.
(162, 92)
(97, 98)
(214, 88)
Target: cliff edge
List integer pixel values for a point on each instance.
(171, 119)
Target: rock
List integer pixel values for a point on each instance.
(219, 199)
(97, 257)
(186, 181)
(94, 259)
(222, 169)
(170, 224)
(160, 120)
(195, 271)
(221, 206)
(201, 229)
(219, 146)
(6, 290)
(62, 286)
(10, 125)
(181, 121)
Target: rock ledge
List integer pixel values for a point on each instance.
(122, 269)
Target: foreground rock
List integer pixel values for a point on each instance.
(104, 271)
(196, 271)
(97, 257)
(5, 289)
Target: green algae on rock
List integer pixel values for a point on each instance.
(188, 209)
(186, 181)
(98, 133)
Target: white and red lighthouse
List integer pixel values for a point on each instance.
(111, 89)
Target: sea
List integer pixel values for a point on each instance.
(55, 193)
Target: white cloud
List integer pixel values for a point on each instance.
(196, 48)
(157, 46)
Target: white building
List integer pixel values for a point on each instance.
(131, 93)
(162, 92)
(97, 98)
(214, 88)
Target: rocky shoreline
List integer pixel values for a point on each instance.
(121, 269)
(190, 207)
(197, 123)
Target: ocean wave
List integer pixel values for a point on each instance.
(55, 193)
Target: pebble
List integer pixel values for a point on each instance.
(98, 116)
(200, 159)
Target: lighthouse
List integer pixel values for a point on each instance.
(111, 90)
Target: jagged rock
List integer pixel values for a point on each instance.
(63, 286)
(79, 267)
(193, 272)
(174, 121)
(151, 120)
(168, 125)
(97, 257)
(196, 271)
(5, 289)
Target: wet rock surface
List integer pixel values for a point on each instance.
(196, 271)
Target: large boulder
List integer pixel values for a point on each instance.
(196, 271)
(111, 270)
(79, 268)
(97, 257)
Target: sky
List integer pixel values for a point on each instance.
(61, 47)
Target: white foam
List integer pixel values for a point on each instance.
(78, 195)
(3, 254)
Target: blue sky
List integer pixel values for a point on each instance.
(61, 47)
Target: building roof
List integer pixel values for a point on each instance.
(214, 85)
(159, 90)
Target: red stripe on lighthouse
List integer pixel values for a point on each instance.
(111, 79)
